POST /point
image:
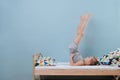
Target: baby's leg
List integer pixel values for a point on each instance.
(80, 30)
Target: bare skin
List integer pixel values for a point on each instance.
(80, 32)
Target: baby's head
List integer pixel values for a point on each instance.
(90, 61)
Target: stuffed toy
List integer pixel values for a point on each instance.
(44, 61)
(112, 58)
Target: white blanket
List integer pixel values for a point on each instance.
(65, 65)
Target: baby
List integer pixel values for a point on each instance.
(75, 57)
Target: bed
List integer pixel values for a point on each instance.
(63, 68)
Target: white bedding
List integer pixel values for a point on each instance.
(65, 65)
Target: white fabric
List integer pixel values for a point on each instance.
(62, 65)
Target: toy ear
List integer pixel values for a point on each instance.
(53, 60)
(40, 55)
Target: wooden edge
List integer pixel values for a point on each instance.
(76, 72)
(33, 65)
(33, 62)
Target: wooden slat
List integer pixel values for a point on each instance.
(76, 72)
(33, 67)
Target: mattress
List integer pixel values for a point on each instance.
(65, 65)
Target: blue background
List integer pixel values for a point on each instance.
(49, 26)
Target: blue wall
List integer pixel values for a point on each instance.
(49, 26)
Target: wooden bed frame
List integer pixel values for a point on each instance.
(73, 72)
